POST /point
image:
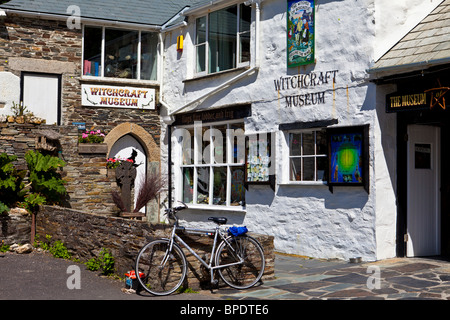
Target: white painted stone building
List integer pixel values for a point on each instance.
(297, 106)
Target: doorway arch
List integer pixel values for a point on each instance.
(122, 138)
(141, 135)
(128, 147)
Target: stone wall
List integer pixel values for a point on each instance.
(89, 184)
(86, 234)
(47, 46)
(15, 227)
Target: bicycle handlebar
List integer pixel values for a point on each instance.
(171, 212)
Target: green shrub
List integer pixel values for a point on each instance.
(44, 177)
(11, 182)
(59, 250)
(105, 261)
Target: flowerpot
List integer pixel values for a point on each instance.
(93, 148)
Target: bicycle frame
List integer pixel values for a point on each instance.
(209, 265)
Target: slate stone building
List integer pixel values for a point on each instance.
(86, 65)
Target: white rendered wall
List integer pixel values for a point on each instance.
(306, 219)
(9, 92)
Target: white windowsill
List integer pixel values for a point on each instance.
(119, 80)
(215, 207)
(303, 183)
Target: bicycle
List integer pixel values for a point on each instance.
(239, 260)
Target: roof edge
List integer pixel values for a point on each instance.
(59, 17)
(390, 70)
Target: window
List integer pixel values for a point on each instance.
(116, 53)
(41, 94)
(212, 164)
(307, 156)
(222, 39)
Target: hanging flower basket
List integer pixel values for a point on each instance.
(92, 142)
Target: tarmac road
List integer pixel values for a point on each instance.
(39, 276)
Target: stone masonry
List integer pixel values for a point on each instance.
(86, 234)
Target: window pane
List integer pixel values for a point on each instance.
(121, 53)
(220, 186)
(203, 185)
(244, 29)
(245, 18)
(308, 143)
(188, 147)
(222, 39)
(201, 58)
(200, 28)
(244, 53)
(237, 186)
(295, 169)
(308, 169)
(149, 55)
(205, 146)
(321, 140)
(92, 51)
(188, 184)
(321, 168)
(295, 143)
(220, 144)
(237, 136)
(200, 44)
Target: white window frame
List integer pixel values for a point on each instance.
(197, 163)
(287, 164)
(238, 63)
(102, 71)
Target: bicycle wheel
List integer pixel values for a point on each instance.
(164, 271)
(246, 274)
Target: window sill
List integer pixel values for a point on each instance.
(119, 81)
(215, 207)
(215, 74)
(304, 183)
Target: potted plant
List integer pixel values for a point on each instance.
(92, 142)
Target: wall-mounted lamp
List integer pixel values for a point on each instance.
(180, 43)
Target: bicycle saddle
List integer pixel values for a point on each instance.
(218, 220)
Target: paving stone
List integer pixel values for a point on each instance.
(413, 267)
(303, 286)
(353, 278)
(414, 283)
(349, 293)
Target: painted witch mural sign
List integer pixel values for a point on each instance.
(300, 28)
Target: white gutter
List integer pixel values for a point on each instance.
(165, 27)
(60, 17)
(204, 7)
(238, 77)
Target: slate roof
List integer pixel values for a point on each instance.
(426, 44)
(147, 12)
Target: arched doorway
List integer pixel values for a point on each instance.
(129, 147)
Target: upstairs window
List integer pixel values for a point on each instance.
(222, 39)
(116, 53)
